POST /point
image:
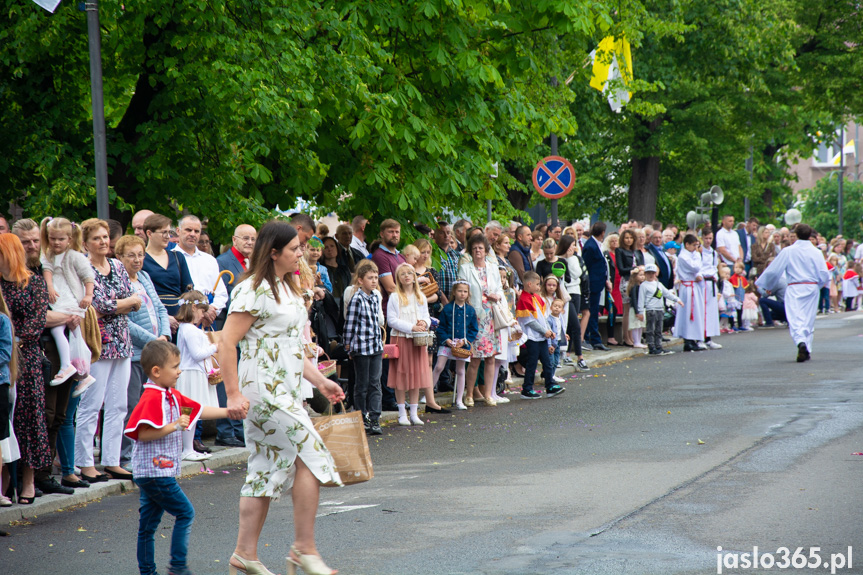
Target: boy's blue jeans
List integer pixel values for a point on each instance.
(555, 358)
(536, 351)
(160, 494)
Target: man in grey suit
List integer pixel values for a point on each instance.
(229, 432)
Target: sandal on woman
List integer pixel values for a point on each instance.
(249, 567)
(310, 564)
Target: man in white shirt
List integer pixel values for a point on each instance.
(203, 267)
(728, 242)
(858, 253)
(803, 265)
(358, 240)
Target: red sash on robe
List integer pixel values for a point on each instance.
(150, 409)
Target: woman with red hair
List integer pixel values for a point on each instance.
(27, 298)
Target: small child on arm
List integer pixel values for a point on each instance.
(155, 425)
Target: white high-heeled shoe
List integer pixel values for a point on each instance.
(249, 567)
(311, 564)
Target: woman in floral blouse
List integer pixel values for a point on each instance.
(266, 319)
(27, 298)
(485, 290)
(113, 298)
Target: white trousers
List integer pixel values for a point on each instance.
(112, 381)
(801, 305)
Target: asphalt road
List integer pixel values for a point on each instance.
(644, 467)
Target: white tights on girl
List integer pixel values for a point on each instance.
(457, 401)
(499, 363)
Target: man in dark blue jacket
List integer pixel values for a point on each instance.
(747, 238)
(597, 271)
(666, 272)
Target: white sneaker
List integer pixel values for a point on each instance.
(415, 420)
(558, 379)
(83, 385)
(405, 421)
(713, 345)
(195, 456)
(700, 345)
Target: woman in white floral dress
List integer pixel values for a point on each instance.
(266, 319)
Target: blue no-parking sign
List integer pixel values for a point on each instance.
(553, 177)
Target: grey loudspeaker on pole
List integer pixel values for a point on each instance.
(99, 144)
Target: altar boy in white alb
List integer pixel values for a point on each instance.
(806, 272)
(689, 323)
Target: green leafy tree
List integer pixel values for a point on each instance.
(229, 109)
(820, 207)
(716, 81)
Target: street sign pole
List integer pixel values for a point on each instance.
(99, 144)
(553, 153)
(553, 202)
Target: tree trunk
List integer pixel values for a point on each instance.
(644, 189)
(644, 182)
(138, 112)
(519, 199)
(769, 156)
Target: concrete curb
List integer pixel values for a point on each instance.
(594, 359)
(224, 457)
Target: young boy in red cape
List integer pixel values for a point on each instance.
(531, 313)
(851, 286)
(155, 426)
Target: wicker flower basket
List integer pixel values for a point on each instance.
(423, 338)
(460, 352)
(214, 373)
(327, 367)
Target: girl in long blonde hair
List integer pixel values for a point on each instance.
(8, 374)
(407, 315)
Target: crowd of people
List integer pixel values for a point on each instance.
(89, 315)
